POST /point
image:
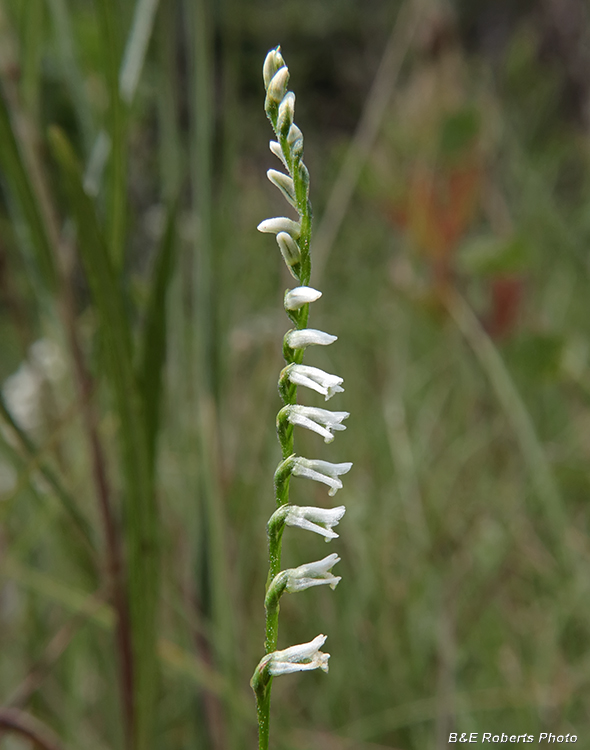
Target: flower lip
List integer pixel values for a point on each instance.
(314, 378)
(307, 337)
(301, 295)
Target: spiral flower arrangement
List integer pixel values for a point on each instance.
(293, 239)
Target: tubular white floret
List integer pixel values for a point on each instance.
(321, 471)
(313, 574)
(316, 379)
(272, 63)
(307, 337)
(322, 421)
(301, 295)
(284, 184)
(301, 658)
(280, 224)
(319, 520)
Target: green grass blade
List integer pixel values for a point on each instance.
(136, 48)
(51, 478)
(153, 344)
(141, 528)
(17, 179)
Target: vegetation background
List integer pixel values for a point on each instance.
(140, 330)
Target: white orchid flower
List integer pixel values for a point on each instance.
(322, 421)
(321, 471)
(314, 378)
(319, 520)
(301, 658)
(313, 574)
(307, 337)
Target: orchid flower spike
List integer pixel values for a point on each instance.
(319, 520)
(322, 421)
(314, 378)
(321, 471)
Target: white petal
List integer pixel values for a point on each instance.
(280, 224)
(301, 295)
(307, 473)
(309, 424)
(299, 658)
(307, 337)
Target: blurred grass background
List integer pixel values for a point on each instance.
(140, 329)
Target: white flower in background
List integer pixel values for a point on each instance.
(318, 420)
(280, 224)
(313, 574)
(314, 378)
(321, 471)
(308, 337)
(301, 658)
(301, 295)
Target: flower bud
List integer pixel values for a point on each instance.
(286, 113)
(289, 249)
(307, 337)
(272, 63)
(280, 224)
(284, 184)
(301, 295)
(277, 88)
